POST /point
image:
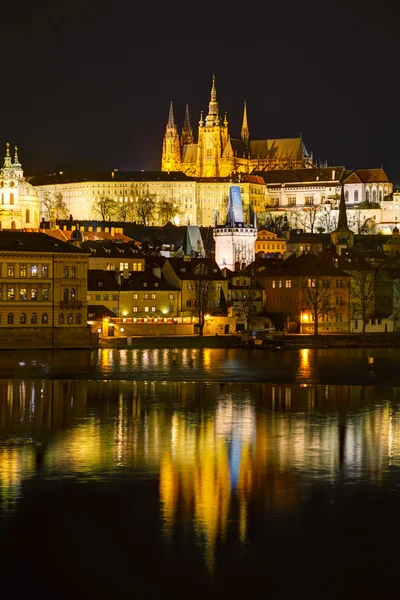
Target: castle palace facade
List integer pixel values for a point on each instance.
(217, 154)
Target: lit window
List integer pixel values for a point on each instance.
(45, 271)
(34, 271)
(22, 293)
(10, 270)
(23, 271)
(10, 293)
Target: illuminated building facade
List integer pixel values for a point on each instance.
(20, 203)
(43, 292)
(234, 241)
(217, 154)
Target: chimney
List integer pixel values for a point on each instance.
(243, 266)
(157, 272)
(333, 174)
(237, 266)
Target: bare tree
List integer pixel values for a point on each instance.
(144, 206)
(248, 306)
(326, 219)
(54, 205)
(317, 297)
(168, 210)
(362, 291)
(360, 223)
(308, 217)
(203, 293)
(105, 207)
(125, 211)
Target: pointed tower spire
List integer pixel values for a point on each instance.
(245, 127)
(213, 112)
(342, 219)
(187, 136)
(171, 146)
(7, 158)
(171, 120)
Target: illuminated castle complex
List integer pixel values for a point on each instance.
(217, 154)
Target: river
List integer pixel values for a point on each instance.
(209, 473)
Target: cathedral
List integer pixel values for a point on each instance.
(217, 154)
(20, 202)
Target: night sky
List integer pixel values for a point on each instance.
(88, 87)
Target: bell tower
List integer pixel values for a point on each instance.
(212, 139)
(171, 154)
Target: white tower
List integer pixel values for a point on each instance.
(234, 241)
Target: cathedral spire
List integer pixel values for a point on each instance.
(213, 111)
(187, 136)
(342, 219)
(7, 158)
(171, 120)
(245, 127)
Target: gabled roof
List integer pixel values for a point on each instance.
(98, 312)
(367, 176)
(279, 149)
(147, 281)
(331, 175)
(23, 241)
(306, 265)
(99, 280)
(109, 249)
(191, 269)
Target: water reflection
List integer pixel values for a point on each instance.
(220, 453)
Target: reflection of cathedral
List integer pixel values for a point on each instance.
(19, 200)
(217, 154)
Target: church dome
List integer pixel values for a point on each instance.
(76, 235)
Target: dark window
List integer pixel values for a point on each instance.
(10, 318)
(45, 318)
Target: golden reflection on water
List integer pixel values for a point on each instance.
(218, 451)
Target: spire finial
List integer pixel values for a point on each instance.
(7, 158)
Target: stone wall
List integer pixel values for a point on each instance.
(41, 337)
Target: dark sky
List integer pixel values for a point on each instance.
(87, 85)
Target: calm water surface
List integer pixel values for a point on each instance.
(226, 474)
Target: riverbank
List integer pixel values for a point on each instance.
(389, 340)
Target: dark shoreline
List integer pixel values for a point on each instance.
(371, 340)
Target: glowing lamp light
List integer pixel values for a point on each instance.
(99, 330)
(165, 319)
(134, 319)
(122, 329)
(145, 319)
(184, 319)
(155, 319)
(304, 317)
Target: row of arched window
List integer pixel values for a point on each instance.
(44, 319)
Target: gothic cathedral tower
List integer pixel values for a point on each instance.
(171, 154)
(213, 137)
